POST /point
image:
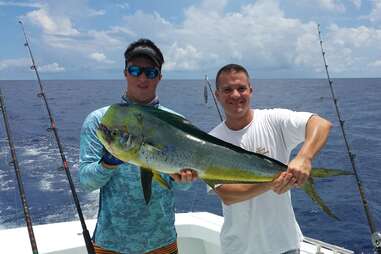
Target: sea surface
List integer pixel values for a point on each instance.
(46, 184)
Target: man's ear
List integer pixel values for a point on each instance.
(217, 94)
(125, 73)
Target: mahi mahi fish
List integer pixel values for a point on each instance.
(162, 142)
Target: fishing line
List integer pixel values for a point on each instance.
(53, 128)
(207, 83)
(376, 236)
(15, 164)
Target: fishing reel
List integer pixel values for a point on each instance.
(376, 240)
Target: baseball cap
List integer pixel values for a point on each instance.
(145, 50)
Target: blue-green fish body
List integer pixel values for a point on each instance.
(159, 141)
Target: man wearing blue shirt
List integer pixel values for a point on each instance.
(126, 223)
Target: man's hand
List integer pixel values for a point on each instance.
(283, 183)
(300, 168)
(186, 175)
(109, 161)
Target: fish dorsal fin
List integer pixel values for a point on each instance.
(185, 125)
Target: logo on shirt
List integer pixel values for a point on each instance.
(262, 150)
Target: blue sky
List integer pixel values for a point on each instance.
(79, 39)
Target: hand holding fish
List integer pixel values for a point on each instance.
(109, 161)
(185, 175)
(300, 168)
(283, 182)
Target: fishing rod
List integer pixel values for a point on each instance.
(15, 164)
(207, 84)
(376, 236)
(85, 232)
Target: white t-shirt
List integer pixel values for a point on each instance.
(266, 223)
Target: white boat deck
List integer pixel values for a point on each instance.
(198, 233)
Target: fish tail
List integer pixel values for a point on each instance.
(325, 172)
(309, 188)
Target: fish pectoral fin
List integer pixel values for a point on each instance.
(211, 183)
(146, 181)
(160, 180)
(152, 148)
(309, 188)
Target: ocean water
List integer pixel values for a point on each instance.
(47, 188)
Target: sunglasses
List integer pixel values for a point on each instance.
(136, 71)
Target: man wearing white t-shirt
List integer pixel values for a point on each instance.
(259, 218)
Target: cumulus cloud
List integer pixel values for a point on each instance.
(21, 4)
(14, 63)
(376, 63)
(52, 25)
(332, 5)
(357, 3)
(123, 5)
(259, 35)
(51, 68)
(351, 49)
(375, 14)
(60, 31)
(100, 57)
(185, 57)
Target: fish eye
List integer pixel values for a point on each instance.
(114, 132)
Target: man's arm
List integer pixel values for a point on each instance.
(92, 174)
(234, 193)
(317, 131)
(299, 169)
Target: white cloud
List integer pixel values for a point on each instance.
(96, 12)
(375, 14)
(51, 68)
(100, 57)
(332, 5)
(14, 63)
(357, 3)
(361, 38)
(21, 4)
(183, 58)
(260, 36)
(56, 19)
(350, 50)
(376, 63)
(123, 5)
(52, 25)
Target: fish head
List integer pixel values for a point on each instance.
(118, 134)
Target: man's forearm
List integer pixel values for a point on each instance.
(234, 193)
(317, 132)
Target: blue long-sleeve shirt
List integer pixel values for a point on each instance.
(125, 223)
